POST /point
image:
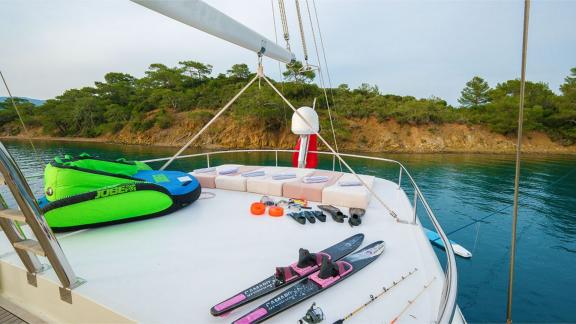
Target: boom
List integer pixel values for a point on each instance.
(198, 14)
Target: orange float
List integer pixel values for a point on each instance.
(257, 208)
(276, 211)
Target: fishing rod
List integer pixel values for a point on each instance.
(373, 298)
(410, 302)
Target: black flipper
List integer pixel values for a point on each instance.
(356, 216)
(298, 217)
(357, 211)
(309, 216)
(319, 215)
(336, 214)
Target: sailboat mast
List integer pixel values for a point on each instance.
(198, 14)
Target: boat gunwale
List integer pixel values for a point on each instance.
(448, 304)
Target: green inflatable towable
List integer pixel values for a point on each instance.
(86, 191)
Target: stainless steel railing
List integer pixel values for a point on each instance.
(47, 244)
(449, 291)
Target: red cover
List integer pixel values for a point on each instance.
(311, 158)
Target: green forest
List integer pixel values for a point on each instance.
(141, 103)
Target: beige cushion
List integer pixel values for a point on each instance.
(348, 196)
(207, 179)
(310, 191)
(234, 181)
(266, 185)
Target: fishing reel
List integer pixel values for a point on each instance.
(314, 314)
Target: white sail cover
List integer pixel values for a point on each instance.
(198, 14)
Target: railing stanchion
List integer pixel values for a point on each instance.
(415, 204)
(208, 160)
(334, 163)
(400, 179)
(276, 154)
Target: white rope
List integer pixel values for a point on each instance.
(392, 213)
(476, 239)
(284, 23)
(280, 76)
(322, 84)
(304, 49)
(210, 122)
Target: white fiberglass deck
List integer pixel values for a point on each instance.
(172, 269)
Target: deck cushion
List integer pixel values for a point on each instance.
(310, 191)
(207, 179)
(234, 181)
(267, 185)
(348, 196)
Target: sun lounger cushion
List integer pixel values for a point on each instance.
(348, 196)
(208, 179)
(234, 181)
(267, 185)
(310, 191)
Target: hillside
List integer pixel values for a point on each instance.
(166, 105)
(35, 102)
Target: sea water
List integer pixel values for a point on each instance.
(470, 194)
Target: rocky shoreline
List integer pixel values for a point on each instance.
(366, 135)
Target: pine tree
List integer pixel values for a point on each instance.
(476, 93)
(569, 87)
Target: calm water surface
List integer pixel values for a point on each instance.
(462, 189)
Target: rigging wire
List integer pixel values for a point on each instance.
(36, 155)
(323, 50)
(220, 112)
(322, 84)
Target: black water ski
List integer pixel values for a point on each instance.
(314, 283)
(288, 275)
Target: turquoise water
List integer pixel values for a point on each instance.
(461, 189)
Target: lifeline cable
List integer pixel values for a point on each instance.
(373, 298)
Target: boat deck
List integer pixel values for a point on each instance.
(173, 269)
(9, 318)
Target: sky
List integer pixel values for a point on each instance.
(418, 48)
